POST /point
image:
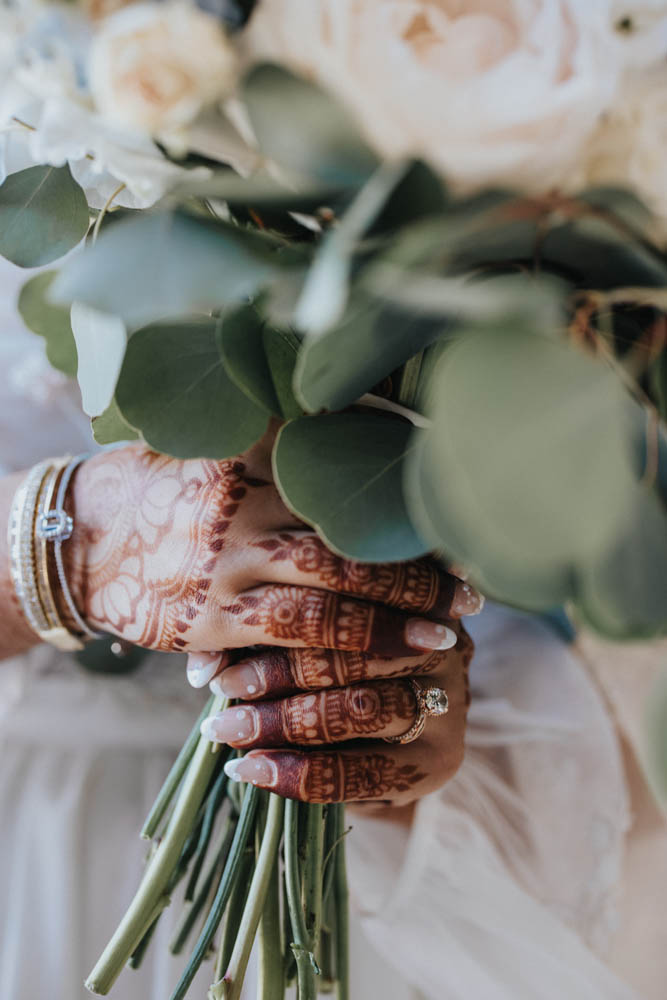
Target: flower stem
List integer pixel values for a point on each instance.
(306, 966)
(229, 875)
(173, 779)
(151, 896)
(341, 897)
(271, 979)
(229, 988)
(208, 887)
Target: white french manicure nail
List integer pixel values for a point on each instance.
(202, 667)
(231, 769)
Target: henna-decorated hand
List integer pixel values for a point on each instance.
(201, 555)
(301, 698)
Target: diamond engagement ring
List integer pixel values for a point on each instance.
(431, 701)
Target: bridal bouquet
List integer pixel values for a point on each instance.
(429, 238)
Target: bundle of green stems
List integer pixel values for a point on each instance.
(258, 868)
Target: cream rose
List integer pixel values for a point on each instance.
(490, 91)
(628, 148)
(154, 66)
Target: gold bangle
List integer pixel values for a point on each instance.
(20, 535)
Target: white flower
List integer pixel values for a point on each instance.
(490, 91)
(628, 148)
(45, 117)
(154, 66)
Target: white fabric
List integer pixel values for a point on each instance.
(503, 889)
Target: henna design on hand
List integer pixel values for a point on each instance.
(418, 585)
(154, 528)
(384, 708)
(320, 776)
(305, 617)
(278, 671)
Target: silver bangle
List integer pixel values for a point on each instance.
(56, 526)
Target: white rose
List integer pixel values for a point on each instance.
(628, 148)
(490, 91)
(154, 66)
(45, 118)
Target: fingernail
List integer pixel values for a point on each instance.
(202, 667)
(240, 681)
(466, 600)
(234, 725)
(256, 770)
(423, 634)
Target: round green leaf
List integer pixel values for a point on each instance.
(527, 469)
(303, 128)
(110, 427)
(43, 215)
(532, 588)
(49, 321)
(335, 369)
(173, 388)
(156, 266)
(342, 474)
(623, 592)
(260, 359)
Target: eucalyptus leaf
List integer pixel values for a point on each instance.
(260, 359)
(281, 348)
(49, 321)
(100, 342)
(174, 389)
(157, 266)
(43, 215)
(534, 588)
(241, 344)
(338, 367)
(342, 473)
(527, 469)
(623, 592)
(110, 427)
(304, 129)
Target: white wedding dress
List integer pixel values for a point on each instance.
(515, 881)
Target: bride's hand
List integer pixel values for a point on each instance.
(203, 555)
(297, 699)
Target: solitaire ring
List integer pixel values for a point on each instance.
(431, 701)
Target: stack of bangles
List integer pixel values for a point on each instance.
(38, 526)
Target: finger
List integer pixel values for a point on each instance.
(276, 672)
(201, 668)
(364, 711)
(300, 557)
(301, 616)
(342, 776)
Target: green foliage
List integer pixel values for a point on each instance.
(110, 427)
(43, 215)
(342, 474)
(337, 367)
(174, 389)
(163, 265)
(527, 468)
(49, 321)
(304, 129)
(260, 360)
